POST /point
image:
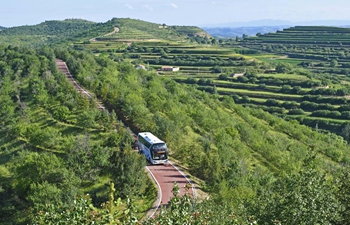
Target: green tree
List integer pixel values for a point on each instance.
(304, 198)
(129, 174)
(334, 63)
(80, 212)
(47, 137)
(88, 160)
(284, 67)
(61, 113)
(182, 210)
(42, 194)
(343, 194)
(346, 131)
(86, 119)
(41, 178)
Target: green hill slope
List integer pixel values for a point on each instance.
(183, 116)
(55, 145)
(49, 131)
(323, 36)
(78, 30)
(53, 27)
(238, 152)
(130, 29)
(305, 42)
(292, 71)
(53, 32)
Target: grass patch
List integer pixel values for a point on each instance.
(263, 93)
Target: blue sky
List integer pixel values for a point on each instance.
(172, 12)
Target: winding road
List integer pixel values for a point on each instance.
(163, 175)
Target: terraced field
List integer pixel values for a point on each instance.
(306, 43)
(325, 36)
(315, 80)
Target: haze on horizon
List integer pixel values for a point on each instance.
(172, 12)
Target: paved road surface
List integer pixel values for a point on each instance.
(166, 175)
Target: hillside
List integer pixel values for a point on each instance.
(235, 150)
(78, 30)
(317, 35)
(214, 140)
(56, 146)
(305, 82)
(51, 28)
(53, 32)
(137, 29)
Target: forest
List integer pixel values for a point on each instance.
(257, 168)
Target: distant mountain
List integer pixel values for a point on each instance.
(255, 23)
(232, 32)
(269, 23)
(251, 28)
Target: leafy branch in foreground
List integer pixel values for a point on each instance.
(83, 212)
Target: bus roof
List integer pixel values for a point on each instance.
(151, 138)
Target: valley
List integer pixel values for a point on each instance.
(255, 121)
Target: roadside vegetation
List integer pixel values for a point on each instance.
(56, 147)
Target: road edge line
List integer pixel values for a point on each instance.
(159, 192)
(188, 180)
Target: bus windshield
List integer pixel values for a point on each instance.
(159, 148)
(159, 151)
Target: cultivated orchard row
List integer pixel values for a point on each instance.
(251, 162)
(280, 87)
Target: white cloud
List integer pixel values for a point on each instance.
(129, 6)
(173, 5)
(148, 7)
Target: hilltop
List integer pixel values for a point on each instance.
(50, 27)
(52, 32)
(79, 30)
(138, 29)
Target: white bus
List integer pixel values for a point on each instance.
(153, 148)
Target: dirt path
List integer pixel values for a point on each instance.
(61, 65)
(116, 30)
